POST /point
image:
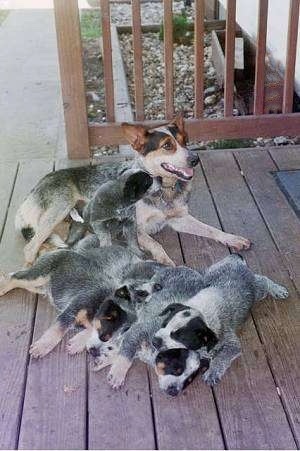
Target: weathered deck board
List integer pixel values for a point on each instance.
(244, 389)
(180, 423)
(7, 179)
(286, 158)
(59, 382)
(281, 219)
(16, 312)
(280, 325)
(274, 320)
(120, 419)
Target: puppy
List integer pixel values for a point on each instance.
(111, 213)
(209, 321)
(176, 285)
(162, 153)
(77, 282)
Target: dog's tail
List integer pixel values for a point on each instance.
(27, 218)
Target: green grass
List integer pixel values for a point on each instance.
(3, 14)
(181, 33)
(90, 24)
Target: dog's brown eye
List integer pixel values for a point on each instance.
(167, 145)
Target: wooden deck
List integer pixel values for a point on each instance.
(57, 403)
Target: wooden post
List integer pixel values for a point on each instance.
(260, 65)
(229, 58)
(72, 79)
(168, 52)
(199, 56)
(138, 60)
(291, 52)
(107, 61)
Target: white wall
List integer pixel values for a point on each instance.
(277, 28)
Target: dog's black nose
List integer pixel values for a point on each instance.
(95, 352)
(157, 342)
(172, 390)
(193, 159)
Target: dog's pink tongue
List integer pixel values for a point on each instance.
(188, 172)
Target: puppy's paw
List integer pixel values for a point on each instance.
(238, 243)
(279, 292)
(40, 349)
(117, 374)
(101, 362)
(75, 345)
(212, 376)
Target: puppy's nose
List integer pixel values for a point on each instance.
(172, 390)
(193, 159)
(95, 352)
(157, 342)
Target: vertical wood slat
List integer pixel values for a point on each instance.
(168, 52)
(288, 89)
(72, 79)
(138, 60)
(107, 60)
(260, 66)
(229, 58)
(199, 57)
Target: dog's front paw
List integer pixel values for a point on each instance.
(117, 374)
(238, 243)
(279, 292)
(76, 345)
(212, 376)
(101, 362)
(40, 349)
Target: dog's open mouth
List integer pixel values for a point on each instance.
(181, 173)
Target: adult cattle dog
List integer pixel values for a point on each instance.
(161, 152)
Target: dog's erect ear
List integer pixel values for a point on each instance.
(179, 122)
(135, 135)
(170, 311)
(123, 293)
(136, 186)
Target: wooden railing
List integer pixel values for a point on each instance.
(80, 135)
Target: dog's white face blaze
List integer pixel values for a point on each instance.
(179, 320)
(174, 160)
(169, 380)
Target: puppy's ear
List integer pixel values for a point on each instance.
(136, 186)
(136, 135)
(123, 293)
(170, 311)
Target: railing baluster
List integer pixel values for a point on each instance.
(229, 58)
(289, 79)
(168, 52)
(107, 61)
(199, 57)
(72, 79)
(138, 60)
(260, 65)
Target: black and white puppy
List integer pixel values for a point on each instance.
(209, 321)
